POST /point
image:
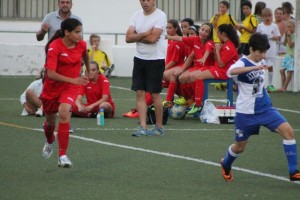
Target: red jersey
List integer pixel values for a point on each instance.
(199, 50)
(66, 62)
(94, 91)
(228, 54)
(175, 52)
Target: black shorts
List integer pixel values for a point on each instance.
(147, 75)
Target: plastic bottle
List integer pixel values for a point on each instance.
(100, 117)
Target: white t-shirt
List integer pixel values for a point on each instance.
(143, 23)
(270, 31)
(36, 86)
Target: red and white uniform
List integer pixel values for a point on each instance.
(175, 52)
(66, 62)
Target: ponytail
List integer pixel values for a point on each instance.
(231, 33)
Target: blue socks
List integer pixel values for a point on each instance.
(290, 150)
(229, 158)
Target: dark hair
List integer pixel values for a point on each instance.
(68, 24)
(230, 32)
(247, 3)
(259, 41)
(211, 29)
(288, 7)
(175, 24)
(195, 28)
(259, 6)
(279, 8)
(226, 3)
(189, 21)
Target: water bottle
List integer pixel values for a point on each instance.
(100, 117)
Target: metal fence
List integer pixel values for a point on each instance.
(198, 10)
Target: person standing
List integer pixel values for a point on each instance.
(254, 109)
(65, 52)
(51, 22)
(147, 28)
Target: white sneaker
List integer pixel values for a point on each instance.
(63, 161)
(47, 150)
(39, 113)
(24, 112)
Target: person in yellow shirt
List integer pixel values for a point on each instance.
(99, 56)
(222, 17)
(247, 28)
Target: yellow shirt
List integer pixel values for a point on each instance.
(223, 19)
(250, 22)
(101, 58)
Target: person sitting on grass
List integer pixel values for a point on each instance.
(97, 94)
(254, 109)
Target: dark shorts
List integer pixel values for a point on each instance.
(147, 75)
(249, 124)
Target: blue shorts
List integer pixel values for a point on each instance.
(249, 124)
(288, 63)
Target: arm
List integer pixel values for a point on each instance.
(78, 103)
(176, 38)
(60, 78)
(188, 62)
(98, 103)
(86, 61)
(153, 37)
(170, 65)
(241, 70)
(218, 56)
(42, 32)
(205, 56)
(288, 40)
(132, 36)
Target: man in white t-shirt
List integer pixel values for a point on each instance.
(147, 28)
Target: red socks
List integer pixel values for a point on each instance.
(49, 133)
(199, 92)
(171, 91)
(63, 137)
(149, 101)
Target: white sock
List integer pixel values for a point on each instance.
(270, 78)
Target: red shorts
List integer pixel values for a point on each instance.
(93, 111)
(51, 105)
(217, 72)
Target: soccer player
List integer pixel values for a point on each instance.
(65, 51)
(254, 109)
(97, 95)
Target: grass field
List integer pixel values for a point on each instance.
(108, 163)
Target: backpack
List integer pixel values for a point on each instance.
(151, 119)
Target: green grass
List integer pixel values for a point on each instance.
(114, 165)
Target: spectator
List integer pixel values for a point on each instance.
(185, 24)
(279, 20)
(247, 28)
(272, 31)
(30, 98)
(259, 6)
(288, 10)
(147, 29)
(288, 64)
(51, 22)
(99, 56)
(97, 93)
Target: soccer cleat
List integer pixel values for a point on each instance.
(47, 150)
(24, 112)
(157, 131)
(132, 114)
(39, 113)
(220, 86)
(140, 132)
(63, 161)
(295, 176)
(168, 104)
(195, 109)
(271, 88)
(226, 173)
(71, 130)
(180, 101)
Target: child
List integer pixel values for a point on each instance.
(272, 31)
(288, 61)
(99, 56)
(254, 109)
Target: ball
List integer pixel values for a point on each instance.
(177, 112)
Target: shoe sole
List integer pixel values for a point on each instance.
(64, 165)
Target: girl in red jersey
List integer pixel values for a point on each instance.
(97, 93)
(202, 55)
(225, 55)
(65, 51)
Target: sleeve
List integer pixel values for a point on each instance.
(238, 64)
(162, 23)
(226, 54)
(254, 21)
(209, 46)
(52, 57)
(259, 29)
(105, 86)
(188, 41)
(177, 51)
(212, 19)
(132, 21)
(81, 90)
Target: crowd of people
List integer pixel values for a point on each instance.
(219, 49)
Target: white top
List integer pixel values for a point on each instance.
(270, 31)
(143, 23)
(36, 86)
(252, 96)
